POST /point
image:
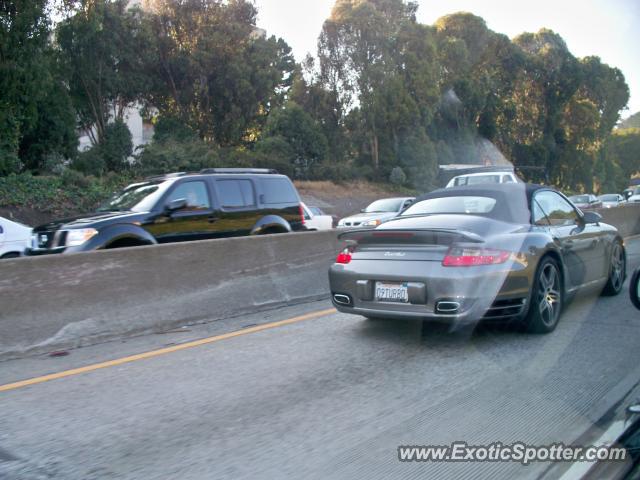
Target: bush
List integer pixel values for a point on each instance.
(90, 162)
(397, 176)
(116, 146)
(70, 193)
(176, 156)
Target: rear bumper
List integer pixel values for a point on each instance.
(492, 292)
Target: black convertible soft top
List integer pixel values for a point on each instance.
(513, 200)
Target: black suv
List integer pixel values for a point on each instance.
(179, 207)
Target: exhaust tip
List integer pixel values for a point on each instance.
(342, 299)
(447, 307)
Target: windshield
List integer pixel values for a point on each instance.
(386, 205)
(609, 198)
(139, 197)
(461, 204)
(579, 198)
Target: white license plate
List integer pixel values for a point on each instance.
(392, 292)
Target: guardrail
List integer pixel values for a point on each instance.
(64, 301)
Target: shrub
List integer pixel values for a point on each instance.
(116, 146)
(397, 176)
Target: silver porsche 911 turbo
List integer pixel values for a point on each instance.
(513, 253)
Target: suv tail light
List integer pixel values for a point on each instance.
(301, 210)
(469, 257)
(344, 257)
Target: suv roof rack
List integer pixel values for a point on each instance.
(239, 170)
(165, 176)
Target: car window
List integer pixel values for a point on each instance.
(278, 190)
(234, 193)
(387, 205)
(482, 179)
(538, 217)
(316, 211)
(507, 179)
(558, 210)
(460, 204)
(195, 193)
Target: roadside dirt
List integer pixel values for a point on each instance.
(341, 200)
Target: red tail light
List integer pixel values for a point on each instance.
(469, 257)
(344, 257)
(301, 210)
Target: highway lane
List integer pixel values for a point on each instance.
(331, 396)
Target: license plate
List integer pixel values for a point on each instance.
(392, 292)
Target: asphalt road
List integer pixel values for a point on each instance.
(331, 396)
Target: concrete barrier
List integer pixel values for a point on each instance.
(61, 301)
(626, 218)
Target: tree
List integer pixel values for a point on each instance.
(382, 65)
(102, 48)
(632, 122)
(214, 70)
(36, 119)
(307, 145)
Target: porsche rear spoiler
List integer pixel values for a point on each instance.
(427, 236)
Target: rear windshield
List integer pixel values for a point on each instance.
(477, 180)
(386, 205)
(461, 204)
(278, 190)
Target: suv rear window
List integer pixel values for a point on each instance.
(278, 190)
(234, 193)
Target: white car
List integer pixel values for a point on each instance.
(611, 200)
(483, 178)
(635, 198)
(15, 238)
(316, 219)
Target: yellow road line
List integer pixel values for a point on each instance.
(163, 351)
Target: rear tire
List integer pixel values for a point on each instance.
(617, 271)
(547, 298)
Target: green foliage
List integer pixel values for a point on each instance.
(102, 48)
(212, 70)
(116, 146)
(173, 155)
(295, 137)
(69, 193)
(35, 114)
(397, 176)
(632, 122)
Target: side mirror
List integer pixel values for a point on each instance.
(592, 217)
(177, 204)
(634, 289)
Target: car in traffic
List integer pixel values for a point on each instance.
(482, 178)
(512, 253)
(586, 202)
(635, 196)
(15, 238)
(611, 200)
(315, 219)
(178, 207)
(377, 213)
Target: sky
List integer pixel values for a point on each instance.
(609, 29)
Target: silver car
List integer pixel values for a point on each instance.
(512, 252)
(377, 213)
